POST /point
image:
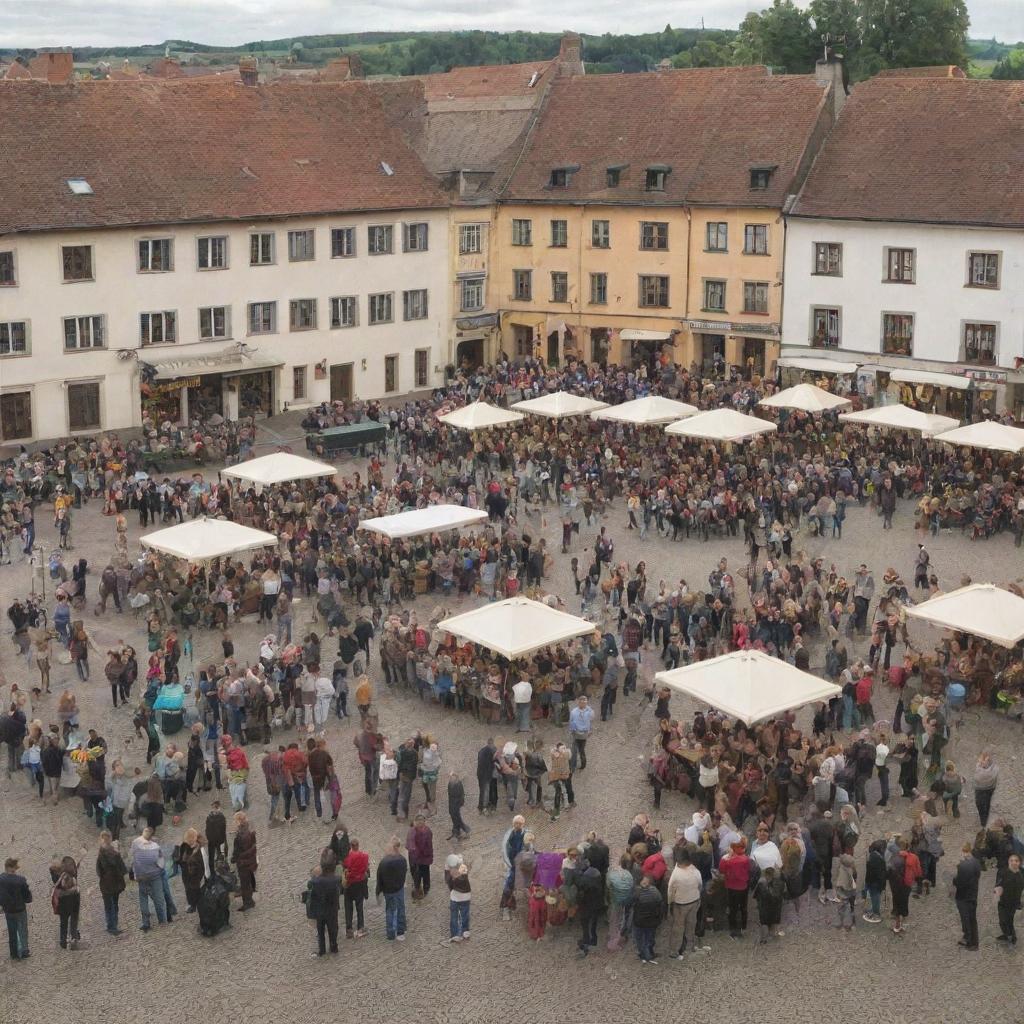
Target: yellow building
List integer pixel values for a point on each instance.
(643, 216)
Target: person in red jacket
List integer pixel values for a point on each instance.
(863, 688)
(296, 770)
(735, 869)
(357, 871)
(419, 842)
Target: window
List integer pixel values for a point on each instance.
(83, 406)
(158, 328)
(381, 308)
(79, 187)
(414, 304)
(379, 239)
(559, 286)
(155, 255)
(522, 285)
(212, 252)
(343, 242)
(560, 177)
(344, 311)
(471, 294)
(16, 415)
(598, 289)
(613, 176)
(600, 234)
(982, 270)
(262, 317)
(421, 366)
(980, 344)
(828, 259)
(7, 276)
(414, 237)
(716, 236)
(522, 232)
(755, 239)
(714, 295)
(469, 239)
(301, 245)
(825, 327)
(83, 332)
(760, 177)
(655, 178)
(898, 334)
(13, 338)
(653, 234)
(899, 266)
(559, 234)
(261, 249)
(391, 373)
(302, 314)
(298, 383)
(214, 322)
(653, 291)
(77, 262)
(755, 296)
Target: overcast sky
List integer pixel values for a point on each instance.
(229, 22)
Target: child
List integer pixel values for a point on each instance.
(769, 893)
(456, 876)
(537, 914)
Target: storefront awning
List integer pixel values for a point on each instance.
(637, 335)
(169, 369)
(817, 365)
(941, 380)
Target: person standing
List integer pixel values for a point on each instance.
(320, 766)
(522, 696)
(15, 896)
(419, 842)
(111, 870)
(581, 724)
(965, 892)
(648, 910)
(148, 871)
(325, 902)
(456, 801)
(735, 868)
(1009, 889)
(684, 890)
(986, 778)
(357, 870)
(245, 858)
(922, 566)
(195, 867)
(456, 876)
(863, 592)
(559, 777)
(216, 833)
(391, 875)
(486, 781)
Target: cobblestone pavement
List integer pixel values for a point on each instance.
(262, 970)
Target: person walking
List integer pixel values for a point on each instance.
(391, 875)
(1009, 890)
(147, 862)
(15, 896)
(419, 842)
(111, 871)
(485, 777)
(986, 778)
(324, 902)
(456, 877)
(456, 801)
(581, 724)
(195, 867)
(965, 892)
(245, 858)
(560, 777)
(357, 870)
(66, 900)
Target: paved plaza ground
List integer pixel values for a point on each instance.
(262, 971)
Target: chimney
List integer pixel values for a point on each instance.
(343, 68)
(570, 55)
(248, 70)
(830, 73)
(54, 66)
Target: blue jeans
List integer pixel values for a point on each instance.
(152, 889)
(172, 908)
(458, 917)
(110, 911)
(394, 913)
(523, 717)
(644, 938)
(875, 895)
(17, 934)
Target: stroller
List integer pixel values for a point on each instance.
(214, 907)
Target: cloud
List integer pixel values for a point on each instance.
(33, 23)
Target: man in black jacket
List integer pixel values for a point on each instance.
(15, 895)
(1009, 890)
(485, 777)
(590, 900)
(965, 890)
(391, 872)
(648, 910)
(13, 727)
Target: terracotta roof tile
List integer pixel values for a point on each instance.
(487, 81)
(947, 151)
(207, 150)
(935, 71)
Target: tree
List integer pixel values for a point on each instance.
(781, 36)
(1011, 66)
(914, 33)
(839, 19)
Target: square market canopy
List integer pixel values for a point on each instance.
(418, 521)
(721, 425)
(279, 468)
(560, 404)
(480, 416)
(202, 539)
(981, 608)
(644, 412)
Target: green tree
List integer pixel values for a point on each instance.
(781, 36)
(839, 19)
(914, 33)
(1011, 66)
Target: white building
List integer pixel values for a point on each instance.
(250, 248)
(905, 248)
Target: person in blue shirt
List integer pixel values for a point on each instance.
(581, 719)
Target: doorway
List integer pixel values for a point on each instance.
(599, 345)
(553, 349)
(712, 353)
(470, 354)
(753, 358)
(341, 382)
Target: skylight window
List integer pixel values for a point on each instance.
(79, 186)
(387, 168)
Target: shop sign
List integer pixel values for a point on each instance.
(176, 385)
(470, 323)
(726, 327)
(992, 376)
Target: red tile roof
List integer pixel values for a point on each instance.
(488, 81)
(935, 71)
(16, 71)
(710, 126)
(194, 151)
(53, 67)
(946, 151)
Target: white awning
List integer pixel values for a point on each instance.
(279, 468)
(900, 417)
(721, 425)
(199, 540)
(419, 521)
(559, 404)
(806, 397)
(817, 365)
(981, 609)
(168, 369)
(996, 437)
(480, 416)
(631, 334)
(644, 412)
(941, 380)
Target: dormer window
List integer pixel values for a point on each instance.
(562, 176)
(614, 175)
(760, 177)
(656, 178)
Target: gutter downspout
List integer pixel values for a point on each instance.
(686, 287)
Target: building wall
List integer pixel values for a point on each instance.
(471, 265)
(120, 293)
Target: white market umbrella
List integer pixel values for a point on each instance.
(480, 416)
(805, 397)
(418, 521)
(748, 685)
(900, 417)
(994, 436)
(982, 609)
(201, 539)
(646, 412)
(279, 468)
(721, 425)
(516, 627)
(560, 404)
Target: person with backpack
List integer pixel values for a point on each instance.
(66, 900)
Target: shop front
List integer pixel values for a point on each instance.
(473, 340)
(947, 394)
(752, 349)
(647, 348)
